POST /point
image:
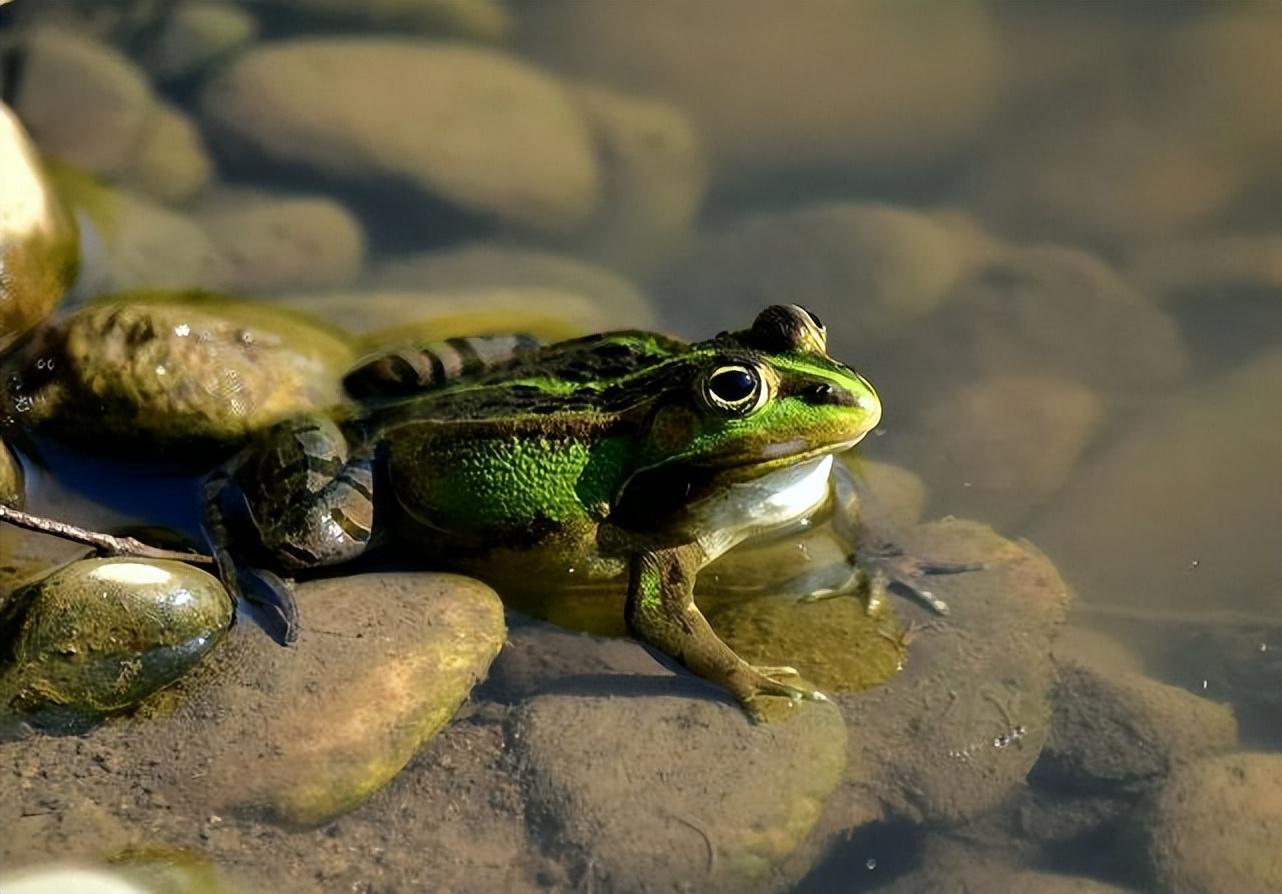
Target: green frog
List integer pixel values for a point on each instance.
(626, 455)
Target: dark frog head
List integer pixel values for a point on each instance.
(746, 404)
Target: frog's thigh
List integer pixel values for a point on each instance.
(661, 611)
(312, 502)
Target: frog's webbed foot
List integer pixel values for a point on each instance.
(909, 575)
(661, 612)
(270, 596)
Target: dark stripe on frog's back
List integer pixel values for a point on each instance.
(591, 378)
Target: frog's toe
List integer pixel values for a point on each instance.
(775, 672)
(779, 682)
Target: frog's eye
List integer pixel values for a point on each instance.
(734, 389)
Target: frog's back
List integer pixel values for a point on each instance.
(527, 450)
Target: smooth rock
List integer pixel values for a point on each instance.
(1214, 828)
(481, 266)
(85, 103)
(173, 376)
(1182, 509)
(971, 444)
(1045, 312)
(654, 174)
(198, 34)
(869, 271)
(959, 728)
(1207, 267)
(330, 725)
(1176, 131)
(489, 134)
(1117, 732)
(475, 19)
(38, 239)
(275, 243)
(884, 86)
(892, 496)
(954, 869)
(11, 483)
(130, 242)
(169, 162)
(63, 880)
(678, 760)
(99, 636)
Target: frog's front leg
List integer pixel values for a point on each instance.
(661, 612)
(298, 497)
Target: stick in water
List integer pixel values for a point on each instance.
(104, 543)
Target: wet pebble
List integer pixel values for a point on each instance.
(1158, 544)
(99, 636)
(801, 85)
(1214, 827)
(382, 662)
(654, 174)
(1047, 312)
(174, 375)
(197, 34)
(868, 270)
(38, 241)
(678, 760)
(958, 729)
(476, 19)
(169, 162)
(130, 242)
(11, 483)
(1121, 732)
(528, 160)
(84, 102)
(971, 443)
(497, 274)
(273, 243)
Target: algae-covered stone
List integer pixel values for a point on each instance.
(100, 635)
(11, 490)
(38, 243)
(161, 374)
(682, 763)
(333, 725)
(487, 133)
(838, 643)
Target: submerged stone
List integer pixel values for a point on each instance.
(38, 242)
(163, 374)
(98, 636)
(11, 492)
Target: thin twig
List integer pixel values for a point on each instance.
(104, 543)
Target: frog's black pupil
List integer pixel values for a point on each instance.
(733, 385)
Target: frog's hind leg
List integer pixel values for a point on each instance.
(661, 612)
(295, 499)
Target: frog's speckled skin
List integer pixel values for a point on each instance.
(624, 450)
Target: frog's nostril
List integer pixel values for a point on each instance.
(822, 393)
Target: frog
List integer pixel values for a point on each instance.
(628, 455)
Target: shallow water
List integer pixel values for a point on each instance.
(1048, 234)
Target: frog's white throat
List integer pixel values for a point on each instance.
(747, 508)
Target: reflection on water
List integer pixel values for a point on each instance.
(1046, 233)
